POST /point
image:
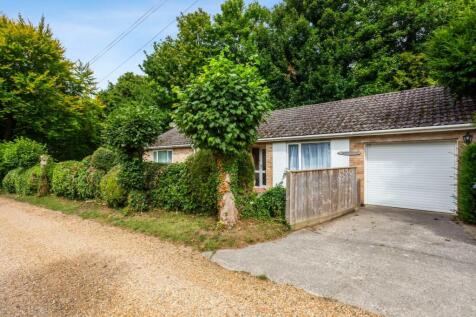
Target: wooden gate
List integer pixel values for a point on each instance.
(316, 196)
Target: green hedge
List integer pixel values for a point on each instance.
(64, 179)
(22, 181)
(104, 159)
(269, 205)
(172, 191)
(111, 191)
(137, 201)
(466, 181)
(87, 182)
(22, 152)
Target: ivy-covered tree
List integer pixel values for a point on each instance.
(44, 96)
(452, 53)
(220, 110)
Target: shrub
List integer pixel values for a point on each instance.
(202, 179)
(65, 174)
(172, 190)
(132, 175)
(29, 181)
(10, 180)
(466, 183)
(87, 160)
(137, 201)
(104, 159)
(111, 191)
(246, 172)
(22, 152)
(269, 205)
(152, 171)
(87, 182)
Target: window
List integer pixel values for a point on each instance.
(163, 156)
(259, 160)
(309, 155)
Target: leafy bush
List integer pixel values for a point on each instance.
(22, 152)
(137, 201)
(172, 190)
(65, 174)
(111, 191)
(246, 172)
(87, 160)
(132, 175)
(10, 180)
(466, 183)
(152, 171)
(202, 179)
(269, 205)
(29, 181)
(87, 182)
(104, 159)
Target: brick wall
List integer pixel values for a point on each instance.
(358, 144)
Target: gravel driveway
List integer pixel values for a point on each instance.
(57, 265)
(392, 261)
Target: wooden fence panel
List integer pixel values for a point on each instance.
(315, 196)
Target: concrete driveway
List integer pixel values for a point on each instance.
(391, 261)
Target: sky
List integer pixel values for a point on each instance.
(86, 27)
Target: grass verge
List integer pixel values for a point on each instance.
(198, 231)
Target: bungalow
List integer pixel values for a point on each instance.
(404, 145)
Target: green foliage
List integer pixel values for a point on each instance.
(22, 152)
(452, 53)
(132, 175)
(104, 159)
(10, 180)
(43, 95)
(172, 191)
(152, 171)
(202, 181)
(466, 183)
(111, 191)
(87, 182)
(212, 107)
(246, 172)
(65, 177)
(269, 205)
(137, 201)
(131, 127)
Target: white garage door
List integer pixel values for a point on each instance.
(412, 175)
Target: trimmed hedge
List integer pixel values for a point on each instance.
(65, 174)
(104, 159)
(112, 193)
(23, 181)
(137, 201)
(466, 183)
(87, 182)
(172, 191)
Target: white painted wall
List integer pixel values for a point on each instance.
(337, 160)
(280, 162)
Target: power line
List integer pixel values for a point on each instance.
(126, 32)
(148, 42)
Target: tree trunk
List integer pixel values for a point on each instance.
(8, 126)
(228, 214)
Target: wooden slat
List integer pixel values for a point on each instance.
(314, 196)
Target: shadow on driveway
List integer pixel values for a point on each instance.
(392, 261)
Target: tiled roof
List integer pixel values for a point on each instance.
(420, 107)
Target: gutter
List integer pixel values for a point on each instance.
(441, 128)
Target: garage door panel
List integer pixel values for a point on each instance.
(412, 175)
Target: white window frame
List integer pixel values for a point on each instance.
(261, 171)
(299, 152)
(156, 156)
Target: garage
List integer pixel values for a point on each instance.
(420, 175)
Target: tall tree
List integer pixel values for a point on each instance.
(43, 95)
(452, 53)
(220, 110)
